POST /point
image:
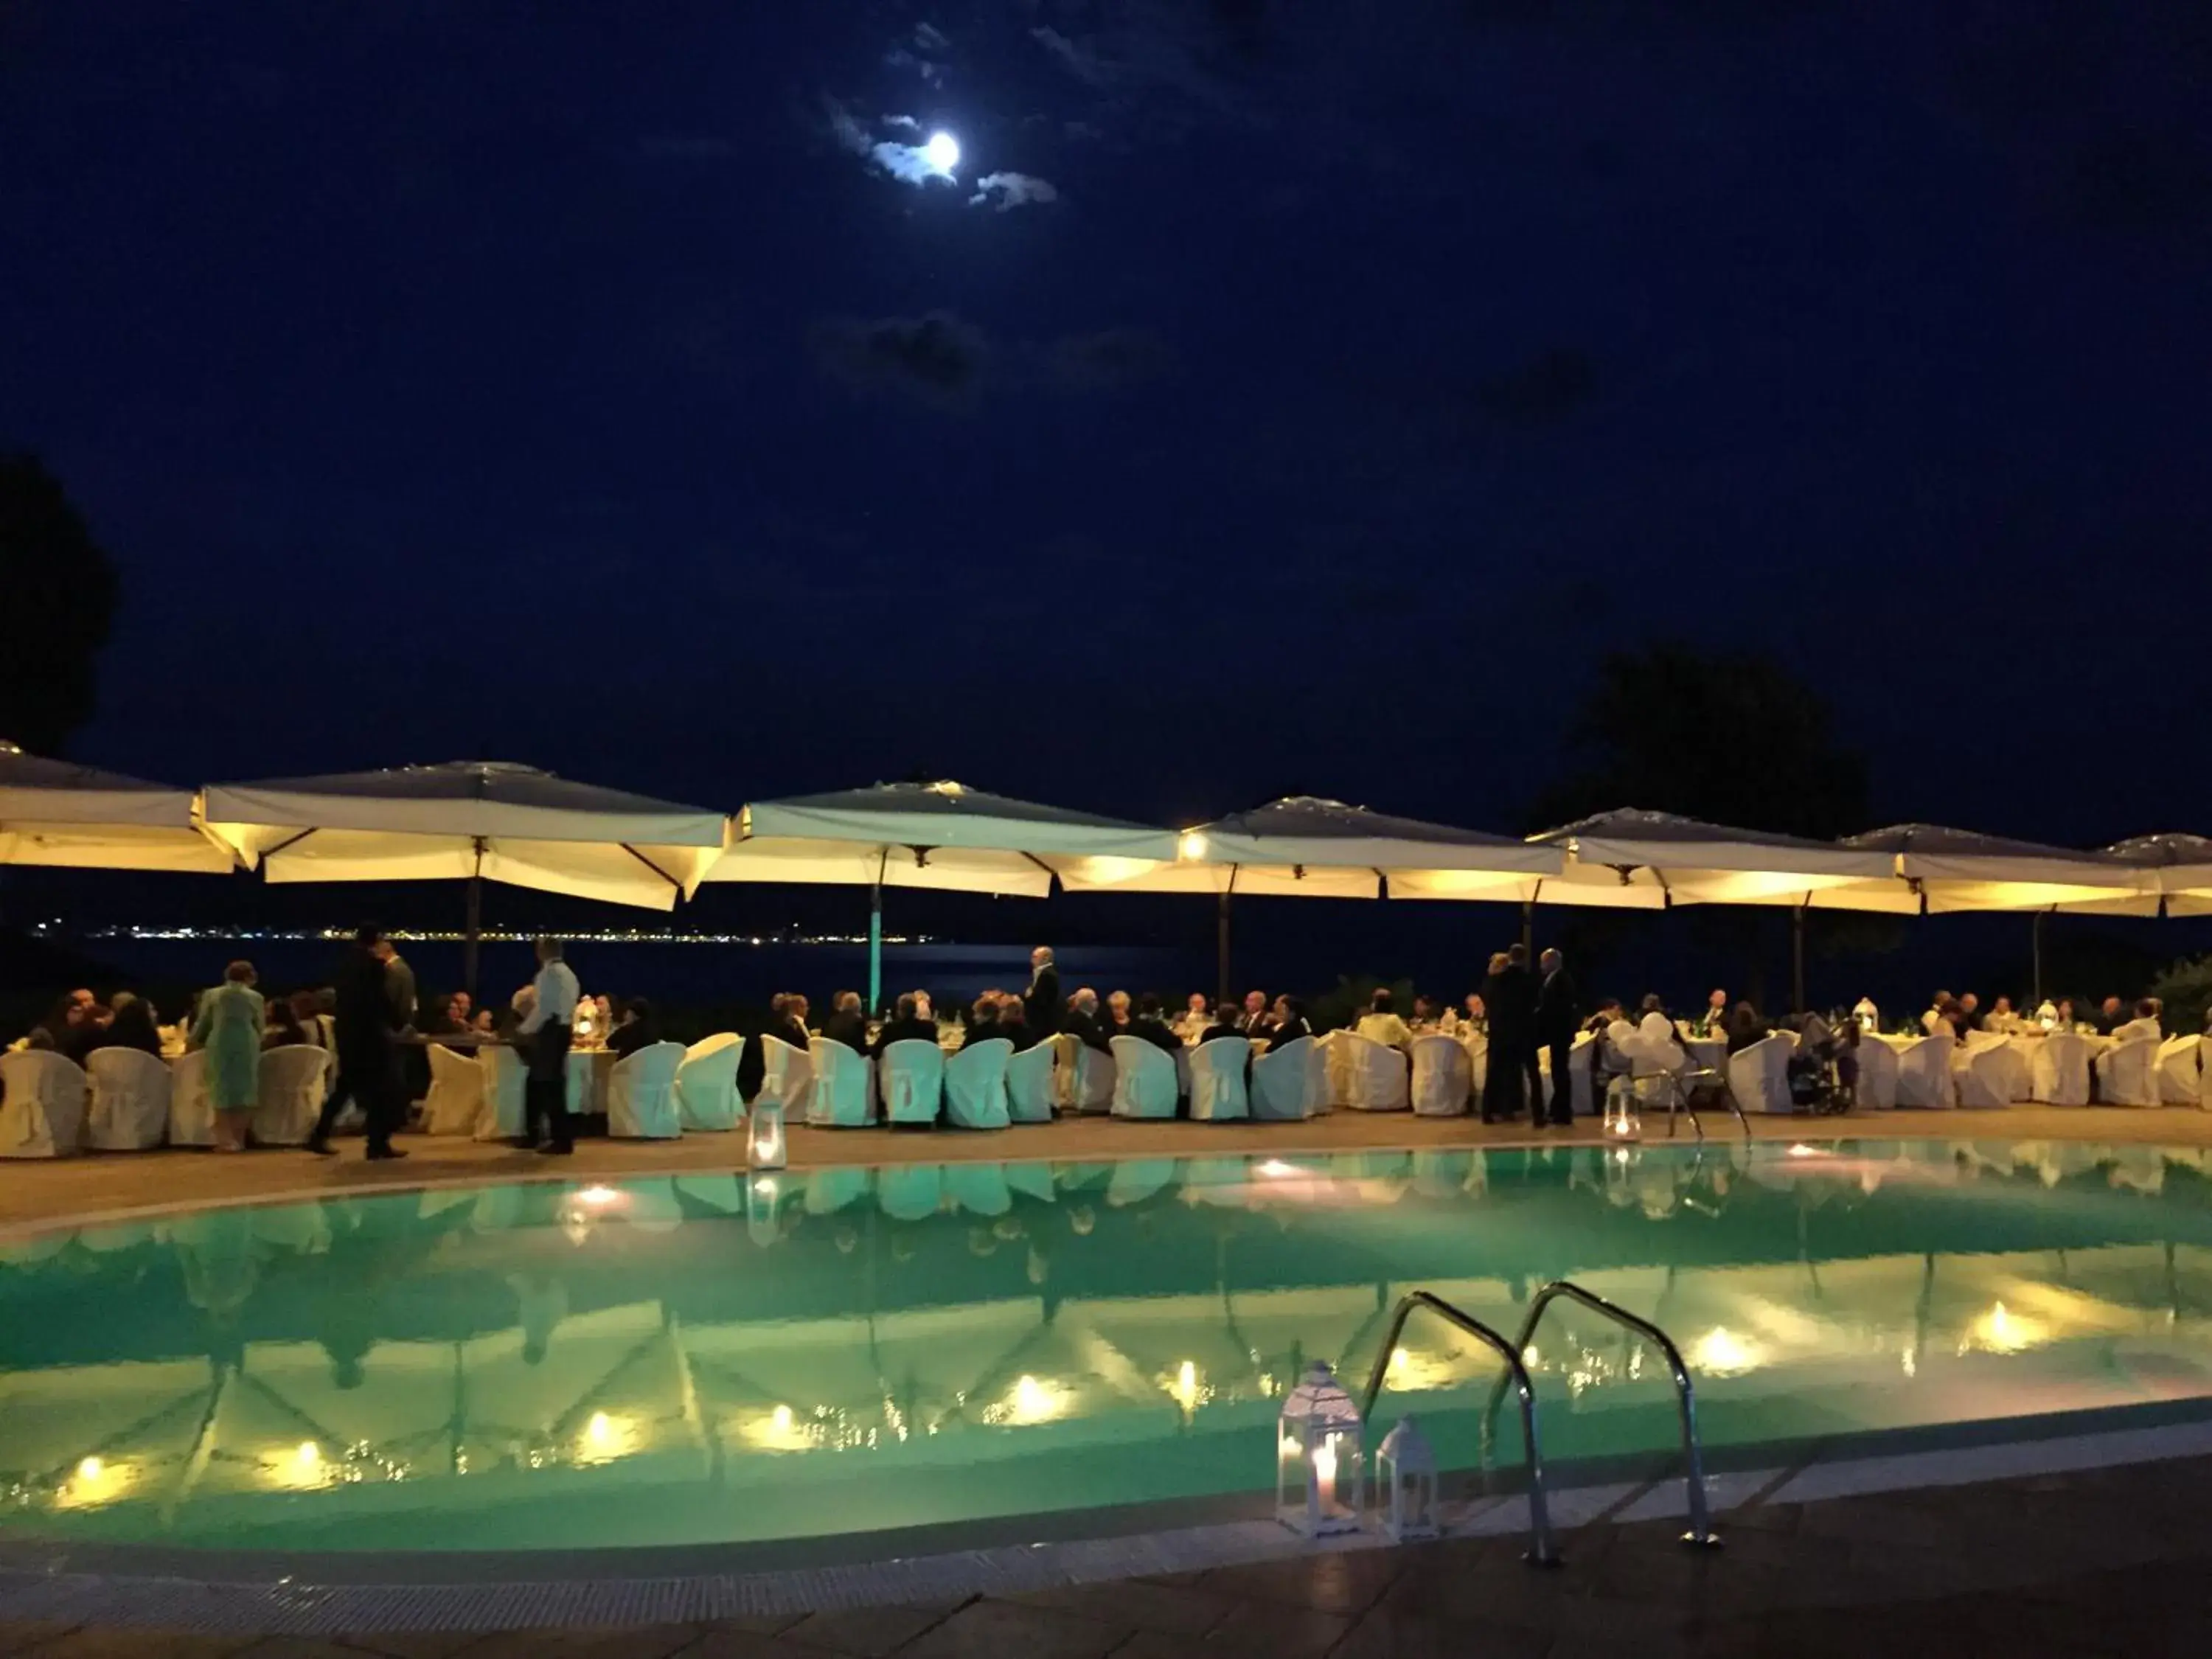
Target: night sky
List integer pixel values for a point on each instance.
(1277, 396)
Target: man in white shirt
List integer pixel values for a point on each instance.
(545, 1032)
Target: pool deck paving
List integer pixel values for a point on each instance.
(2106, 1561)
(109, 1184)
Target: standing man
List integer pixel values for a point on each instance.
(1559, 1015)
(368, 1063)
(1041, 1002)
(545, 1030)
(1523, 981)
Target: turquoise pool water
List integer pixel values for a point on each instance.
(718, 1358)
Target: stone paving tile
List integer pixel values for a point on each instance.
(866, 1632)
(1383, 1634)
(1177, 1609)
(413, 1644)
(102, 1642)
(17, 1634)
(1009, 1630)
(638, 1641)
(1349, 1582)
(735, 1642)
(297, 1647)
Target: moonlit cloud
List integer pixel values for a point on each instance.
(928, 38)
(906, 121)
(1013, 189)
(914, 164)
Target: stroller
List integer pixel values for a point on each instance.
(1823, 1072)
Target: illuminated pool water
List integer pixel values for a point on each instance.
(716, 1357)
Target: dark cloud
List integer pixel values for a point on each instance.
(936, 358)
(1108, 360)
(1549, 386)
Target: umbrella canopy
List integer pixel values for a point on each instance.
(54, 813)
(943, 835)
(1635, 859)
(1303, 846)
(467, 819)
(1960, 870)
(2181, 866)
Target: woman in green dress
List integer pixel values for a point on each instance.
(228, 1026)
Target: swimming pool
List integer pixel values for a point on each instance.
(722, 1358)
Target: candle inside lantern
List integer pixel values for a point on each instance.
(1324, 1463)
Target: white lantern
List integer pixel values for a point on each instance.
(1318, 1461)
(764, 1135)
(1621, 1122)
(1406, 1484)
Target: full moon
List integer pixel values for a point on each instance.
(942, 151)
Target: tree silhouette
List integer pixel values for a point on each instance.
(58, 593)
(1735, 739)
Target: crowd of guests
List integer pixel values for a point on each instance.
(1962, 1015)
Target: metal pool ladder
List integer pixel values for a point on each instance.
(1540, 1551)
(1701, 1533)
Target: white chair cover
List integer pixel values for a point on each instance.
(1478, 1063)
(975, 1085)
(1066, 1048)
(642, 1094)
(1289, 1082)
(293, 1082)
(1029, 1094)
(1336, 1059)
(1218, 1094)
(1923, 1073)
(1759, 1075)
(842, 1096)
(1983, 1070)
(505, 1084)
(2127, 1073)
(1442, 1076)
(2060, 1071)
(707, 1085)
(1143, 1080)
(787, 1073)
(455, 1102)
(1375, 1075)
(1877, 1084)
(1583, 1094)
(2178, 1082)
(910, 1076)
(131, 1100)
(43, 1115)
(1094, 1075)
(192, 1113)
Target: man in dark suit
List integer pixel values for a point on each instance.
(1080, 1020)
(846, 1022)
(983, 1020)
(1041, 1002)
(1518, 973)
(1286, 1023)
(1559, 1015)
(907, 1025)
(1150, 1024)
(368, 1063)
(788, 1021)
(1231, 1021)
(1252, 1020)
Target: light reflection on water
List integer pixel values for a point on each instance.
(728, 1357)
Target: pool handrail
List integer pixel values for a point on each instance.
(1542, 1551)
(1701, 1533)
(1682, 1093)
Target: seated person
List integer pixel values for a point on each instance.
(280, 1026)
(1938, 1014)
(1381, 1023)
(1253, 1018)
(640, 1029)
(1969, 1014)
(1116, 1016)
(1151, 1025)
(486, 1024)
(133, 1026)
(1228, 1021)
(1286, 1023)
(1616, 1037)
(1745, 1028)
(846, 1022)
(2001, 1017)
(1657, 1042)
(1083, 1022)
(1194, 1018)
(1476, 1017)
(982, 1021)
(907, 1024)
(1426, 1014)
(2144, 1025)
(1014, 1023)
(1866, 1013)
(2110, 1016)
(1714, 1021)
(786, 1020)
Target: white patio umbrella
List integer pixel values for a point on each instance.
(941, 836)
(1955, 870)
(1638, 860)
(1303, 847)
(2180, 865)
(57, 814)
(473, 821)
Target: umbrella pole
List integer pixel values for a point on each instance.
(472, 937)
(875, 947)
(1529, 925)
(1221, 949)
(1798, 959)
(2035, 937)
